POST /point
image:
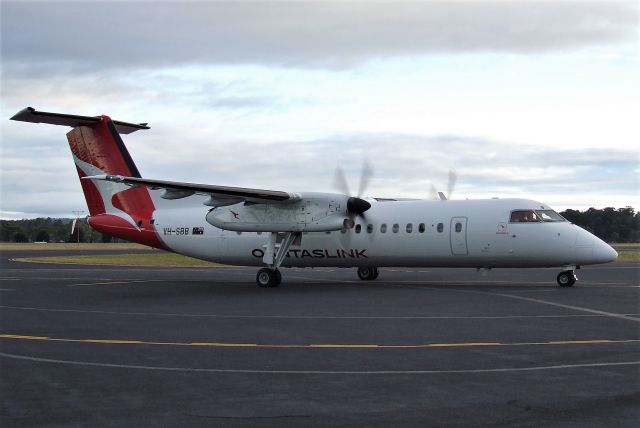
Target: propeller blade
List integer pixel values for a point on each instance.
(453, 177)
(340, 182)
(365, 177)
(433, 194)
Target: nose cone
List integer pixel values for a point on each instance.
(591, 250)
(603, 253)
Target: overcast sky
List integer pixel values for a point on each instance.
(523, 99)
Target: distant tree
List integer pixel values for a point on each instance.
(20, 237)
(43, 236)
(609, 224)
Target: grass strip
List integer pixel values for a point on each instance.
(70, 247)
(160, 259)
(628, 257)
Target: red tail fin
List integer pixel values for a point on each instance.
(97, 148)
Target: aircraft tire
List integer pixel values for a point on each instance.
(567, 278)
(367, 273)
(268, 278)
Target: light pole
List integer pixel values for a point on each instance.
(77, 223)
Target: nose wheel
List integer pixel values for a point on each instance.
(567, 278)
(268, 278)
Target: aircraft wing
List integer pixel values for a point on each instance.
(218, 195)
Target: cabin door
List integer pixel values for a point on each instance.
(458, 236)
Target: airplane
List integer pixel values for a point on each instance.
(275, 229)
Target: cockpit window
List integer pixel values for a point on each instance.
(549, 215)
(524, 216)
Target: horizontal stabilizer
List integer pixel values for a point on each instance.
(30, 114)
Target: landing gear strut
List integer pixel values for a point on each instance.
(274, 254)
(368, 273)
(567, 278)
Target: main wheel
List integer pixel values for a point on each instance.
(567, 278)
(268, 277)
(367, 273)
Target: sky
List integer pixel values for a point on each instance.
(521, 99)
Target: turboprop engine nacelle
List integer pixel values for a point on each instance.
(313, 213)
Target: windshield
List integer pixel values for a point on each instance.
(549, 215)
(524, 216)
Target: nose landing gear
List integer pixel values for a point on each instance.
(567, 278)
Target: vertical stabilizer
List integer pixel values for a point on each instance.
(97, 148)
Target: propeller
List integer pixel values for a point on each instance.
(453, 178)
(356, 206)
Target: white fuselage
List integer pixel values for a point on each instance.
(450, 233)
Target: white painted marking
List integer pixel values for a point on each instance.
(321, 372)
(575, 308)
(124, 281)
(529, 299)
(312, 317)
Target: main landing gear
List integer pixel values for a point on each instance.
(368, 273)
(267, 277)
(567, 278)
(274, 253)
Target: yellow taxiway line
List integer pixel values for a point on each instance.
(318, 346)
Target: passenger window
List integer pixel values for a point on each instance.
(458, 227)
(396, 228)
(524, 216)
(440, 227)
(421, 228)
(409, 227)
(358, 228)
(383, 228)
(369, 228)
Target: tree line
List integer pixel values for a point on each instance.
(609, 224)
(50, 230)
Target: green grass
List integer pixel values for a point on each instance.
(160, 259)
(626, 245)
(628, 257)
(628, 253)
(70, 247)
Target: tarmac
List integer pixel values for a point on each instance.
(123, 346)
